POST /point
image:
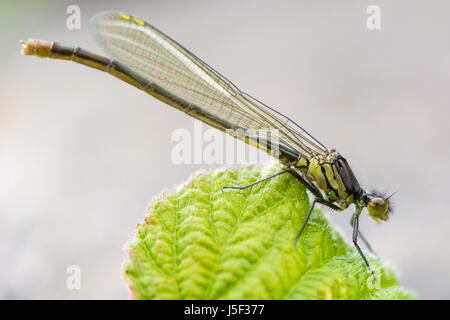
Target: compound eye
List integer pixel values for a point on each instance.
(378, 208)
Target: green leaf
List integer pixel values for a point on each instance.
(202, 242)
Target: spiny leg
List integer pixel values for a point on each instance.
(305, 222)
(319, 200)
(366, 243)
(308, 185)
(355, 239)
(259, 181)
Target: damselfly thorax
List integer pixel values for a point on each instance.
(333, 176)
(329, 172)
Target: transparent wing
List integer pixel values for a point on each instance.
(181, 76)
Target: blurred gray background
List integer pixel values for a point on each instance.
(82, 154)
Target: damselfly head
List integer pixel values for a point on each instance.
(378, 206)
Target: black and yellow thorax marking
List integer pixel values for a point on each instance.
(333, 176)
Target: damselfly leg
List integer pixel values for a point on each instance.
(259, 181)
(355, 224)
(308, 185)
(361, 236)
(319, 200)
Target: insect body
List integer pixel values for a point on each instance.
(146, 58)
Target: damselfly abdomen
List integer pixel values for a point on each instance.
(151, 61)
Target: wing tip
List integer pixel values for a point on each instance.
(103, 16)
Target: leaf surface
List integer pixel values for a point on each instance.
(202, 242)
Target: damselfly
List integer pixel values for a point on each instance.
(151, 61)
